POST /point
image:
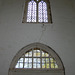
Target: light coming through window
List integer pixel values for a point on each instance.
(37, 11)
(36, 58)
(31, 14)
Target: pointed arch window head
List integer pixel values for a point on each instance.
(31, 13)
(36, 58)
(42, 12)
(37, 11)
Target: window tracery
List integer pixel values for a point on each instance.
(37, 11)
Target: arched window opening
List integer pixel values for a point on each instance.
(37, 11)
(42, 12)
(31, 14)
(36, 58)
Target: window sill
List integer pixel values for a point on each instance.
(36, 70)
(37, 23)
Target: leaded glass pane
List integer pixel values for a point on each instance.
(52, 65)
(30, 65)
(26, 59)
(45, 12)
(47, 62)
(43, 60)
(30, 54)
(42, 12)
(38, 66)
(47, 65)
(56, 66)
(37, 53)
(34, 53)
(26, 65)
(43, 65)
(43, 54)
(46, 54)
(34, 65)
(26, 54)
(36, 58)
(30, 60)
(51, 60)
(20, 60)
(17, 65)
(20, 65)
(31, 14)
(32, 11)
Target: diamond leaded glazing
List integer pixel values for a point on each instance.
(31, 14)
(42, 12)
(37, 12)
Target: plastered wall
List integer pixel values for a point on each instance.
(60, 35)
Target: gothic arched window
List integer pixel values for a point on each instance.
(31, 12)
(37, 11)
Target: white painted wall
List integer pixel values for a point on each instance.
(60, 35)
